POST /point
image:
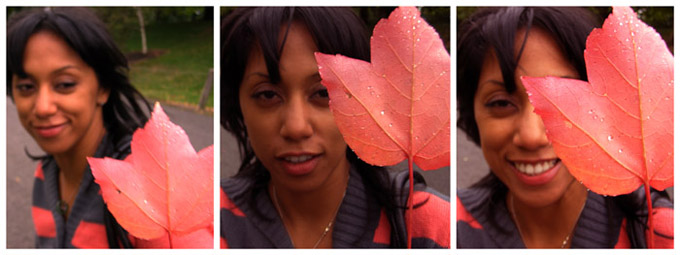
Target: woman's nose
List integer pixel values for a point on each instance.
(45, 105)
(296, 120)
(530, 131)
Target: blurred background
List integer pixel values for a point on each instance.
(173, 66)
(437, 17)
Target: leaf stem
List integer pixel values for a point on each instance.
(169, 239)
(409, 221)
(650, 218)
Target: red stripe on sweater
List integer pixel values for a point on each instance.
(432, 219)
(623, 242)
(226, 203)
(382, 233)
(39, 172)
(462, 214)
(663, 224)
(44, 222)
(223, 243)
(90, 235)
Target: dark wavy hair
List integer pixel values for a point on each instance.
(494, 29)
(126, 109)
(335, 31)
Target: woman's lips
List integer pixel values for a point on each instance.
(298, 165)
(536, 179)
(49, 131)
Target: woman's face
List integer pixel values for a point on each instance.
(59, 103)
(289, 124)
(513, 138)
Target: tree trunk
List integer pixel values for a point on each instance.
(140, 17)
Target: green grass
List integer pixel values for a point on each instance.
(179, 74)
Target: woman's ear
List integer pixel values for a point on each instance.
(103, 96)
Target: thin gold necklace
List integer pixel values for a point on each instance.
(63, 206)
(328, 226)
(566, 239)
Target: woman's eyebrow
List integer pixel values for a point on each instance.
(492, 81)
(263, 75)
(258, 76)
(314, 77)
(63, 68)
(57, 71)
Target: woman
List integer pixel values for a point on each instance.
(299, 185)
(530, 199)
(69, 83)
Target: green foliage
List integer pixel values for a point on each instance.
(179, 73)
(122, 22)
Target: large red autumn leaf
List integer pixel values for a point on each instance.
(163, 189)
(396, 107)
(615, 132)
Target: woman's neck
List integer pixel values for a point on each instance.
(549, 226)
(73, 162)
(305, 214)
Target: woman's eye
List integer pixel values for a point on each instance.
(323, 93)
(500, 107)
(320, 97)
(24, 87)
(499, 103)
(266, 97)
(65, 86)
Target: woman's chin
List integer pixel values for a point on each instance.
(552, 187)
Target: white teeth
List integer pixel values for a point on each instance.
(298, 159)
(535, 169)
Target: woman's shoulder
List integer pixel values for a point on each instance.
(480, 222)
(471, 200)
(231, 189)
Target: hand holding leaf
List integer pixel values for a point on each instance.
(163, 189)
(615, 132)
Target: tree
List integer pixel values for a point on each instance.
(142, 32)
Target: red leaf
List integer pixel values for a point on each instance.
(164, 189)
(615, 132)
(397, 106)
(201, 238)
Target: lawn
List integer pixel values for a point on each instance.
(178, 75)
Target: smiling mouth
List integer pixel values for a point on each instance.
(49, 131)
(532, 169)
(298, 159)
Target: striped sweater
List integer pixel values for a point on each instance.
(85, 227)
(601, 224)
(360, 221)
